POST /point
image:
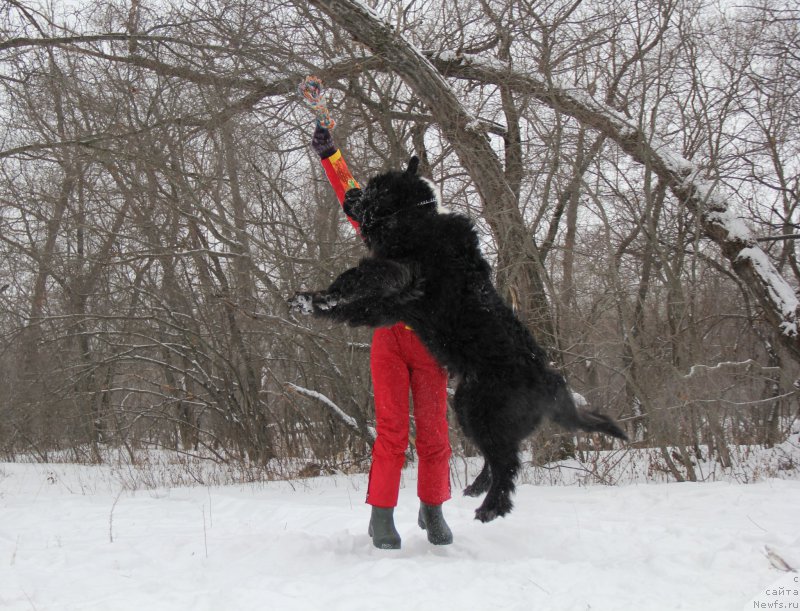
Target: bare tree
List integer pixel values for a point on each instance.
(159, 203)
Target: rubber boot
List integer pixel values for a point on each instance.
(432, 520)
(381, 528)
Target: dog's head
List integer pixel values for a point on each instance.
(392, 199)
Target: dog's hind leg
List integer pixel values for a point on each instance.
(465, 406)
(483, 411)
(481, 483)
(503, 461)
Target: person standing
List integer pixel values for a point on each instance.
(399, 363)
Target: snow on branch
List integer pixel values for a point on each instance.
(778, 289)
(747, 365)
(338, 412)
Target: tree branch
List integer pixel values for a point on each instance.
(340, 415)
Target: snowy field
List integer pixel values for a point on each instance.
(76, 537)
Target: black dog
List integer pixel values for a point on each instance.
(425, 268)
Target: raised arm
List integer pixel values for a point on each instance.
(344, 185)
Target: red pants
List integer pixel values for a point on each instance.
(400, 362)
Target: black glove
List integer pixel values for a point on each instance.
(322, 142)
(352, 205)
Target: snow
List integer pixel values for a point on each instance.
(579, 399)
(583, 99)
(473, 126)
(448, 56)
(735, 227)
(75, 537)
(672, 159)
(781, 294)
(747, 365)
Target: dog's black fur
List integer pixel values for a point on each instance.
(425, 269)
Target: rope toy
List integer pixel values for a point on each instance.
(313, 91)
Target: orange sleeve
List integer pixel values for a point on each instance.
(340, 178)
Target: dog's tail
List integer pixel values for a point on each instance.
(571, 417)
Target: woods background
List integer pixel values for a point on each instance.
(159, 202)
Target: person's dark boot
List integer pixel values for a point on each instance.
(432, 520)
(381, 528)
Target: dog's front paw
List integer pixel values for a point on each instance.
(325, 301)
(301, 303)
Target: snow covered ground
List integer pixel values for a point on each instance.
(71, 537)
